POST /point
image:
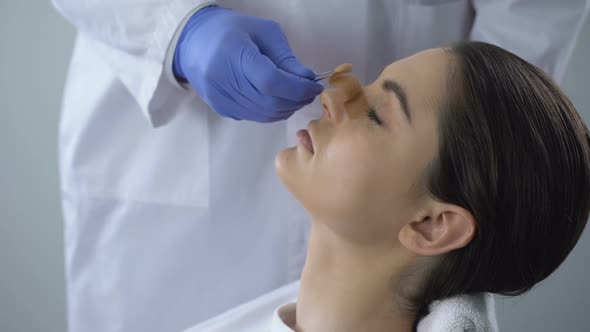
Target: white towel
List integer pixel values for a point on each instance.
(462, 313)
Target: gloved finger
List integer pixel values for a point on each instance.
(265, 117)
(262, 116)
(282, 115)
(273, 108)
(277, 104)
(273, 43)
(237, 107)
(293, 66)
(248, 98)
(241, 107)
(270, 80)
(298, 107)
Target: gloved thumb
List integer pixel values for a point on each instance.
(273, 43)
(293, 66)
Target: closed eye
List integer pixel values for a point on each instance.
(372, 114)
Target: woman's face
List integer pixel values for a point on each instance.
(370, 149)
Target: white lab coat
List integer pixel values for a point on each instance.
(174, 214)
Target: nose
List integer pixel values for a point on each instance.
(347, 98)
(333, 104)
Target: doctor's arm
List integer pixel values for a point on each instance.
(240, 65)
(133, 38)
(543, 32)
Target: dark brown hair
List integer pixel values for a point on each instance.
(515, 153)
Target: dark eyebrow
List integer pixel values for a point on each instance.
(396, 88)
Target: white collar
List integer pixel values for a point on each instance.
(283, 319)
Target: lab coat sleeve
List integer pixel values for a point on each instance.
(136, 38)
(543, 32)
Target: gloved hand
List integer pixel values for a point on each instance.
(242, 66)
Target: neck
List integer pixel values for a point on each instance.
(349, 287)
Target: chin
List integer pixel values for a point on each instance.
(284, 161)
(290, 169)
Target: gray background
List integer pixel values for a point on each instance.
(35, 46)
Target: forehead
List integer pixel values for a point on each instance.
(423, 76)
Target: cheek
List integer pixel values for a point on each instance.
(347, 159)
(346, 176)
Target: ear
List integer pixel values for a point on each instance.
(446, 227)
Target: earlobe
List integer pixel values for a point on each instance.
(449, 227)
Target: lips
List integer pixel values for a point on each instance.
(305, 139)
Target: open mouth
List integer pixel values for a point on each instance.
(305, 139)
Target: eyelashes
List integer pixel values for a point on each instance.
(372, 114)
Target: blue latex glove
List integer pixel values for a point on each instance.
(242, 66)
